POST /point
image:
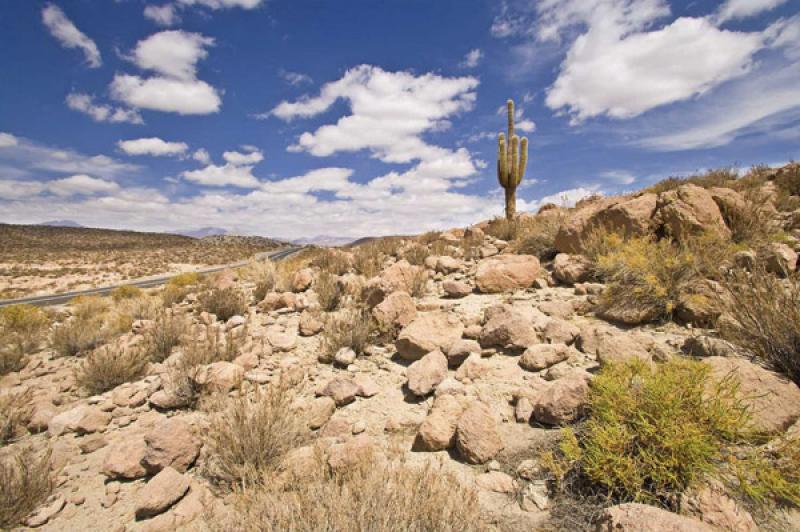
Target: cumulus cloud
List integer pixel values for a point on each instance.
(173, 55)
(472, 59)
(70, 36)
(294, 78)
(7, 140)
(80, 184)
(738, 9)
(201, 155)
(166, 15)
(220, 176)
(253, 156)
(85, 104)
(152, 146)
(223, 4)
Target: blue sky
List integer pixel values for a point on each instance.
(303, 118)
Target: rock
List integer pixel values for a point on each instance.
(276, 301)
(343, 391)
(396, 311)
(542, 356)
(310, 324)
(477, 437)
(43, 413)
(302, 280)
(697, 304)
(746, 259)
(713, 506)
(319, 411)
(366, 386)
(504, 273)
(594, 289)
(46, 513)
(436, 331)
(93, 420)
(282, 339)
(610, 346)
(129, 395)
(774, 399)
(234, 322)
(690, 210)
(781, 259)
(496, 481)
(92, 443)
(67, 421)
(400, 276)
(344, 357)
(438, 431)
(571, 269)
(167, 400)
(558, 331)
(708, 346)
(460, 350)
(171, 443)
(456, 289)
(160, 493)
(635, 517)
(354, 451)
(523, 410)
(426, 373)
(123, 459)
(564, 401)
(447, 264)
(557, 308)
(220, 376)
(507, 328)
(472, 369)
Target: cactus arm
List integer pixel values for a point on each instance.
(523, 160)
(502, 170)
(514, 161)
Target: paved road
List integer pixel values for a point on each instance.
(57, 299)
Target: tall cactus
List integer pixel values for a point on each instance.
(511, 162)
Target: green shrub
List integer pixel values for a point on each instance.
(651, 433)
(26, 482)
(105, 368)
(22, 329)
(224, 303)
(124, 292)
(771, 473)
(185, 280)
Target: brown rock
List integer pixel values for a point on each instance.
(690, 210)
(472, 369)
(220, 376)
(635, 517)
(93, 420)
(781, 259)
(477, 437)
(447, 264)
(571, 269)
(505, 273)
(47, 512)
(426, 373)
(564, 401)
(171, 443)
(438, 431)
(612, 346)
(558, 331)
(342, 390)
(302, 280)
(557, 308)
(456, 289)
(542, 356)
(123, 459)
(160, 493)
(460, 350)
(356, 450)
(436, 331)
(496, 481)
(713, 506)
(508, 328)
(396, 311)
(319, 411)
(310, 324)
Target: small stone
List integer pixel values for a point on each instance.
(344, 357)
(343, 391)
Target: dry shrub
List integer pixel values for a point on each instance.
(429, 238)
(26, 482)
(125, 292)
(751, 224)
(172, 295)
(164, 335)
(15, 412)
(79, 334)
(353, 328)
(721, 177)
(332, 261)
(368, 260)
(502, 228)
(22, 329)
(224, 303)
(371, 495)
(106, 368)
(471, 247)
(251, 434)
(762, 315)
(416, 254)
(651, 433)
(185, 280)
(419, 283)
(536, 236)
(89, 306)
(329, 291)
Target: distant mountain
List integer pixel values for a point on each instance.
(203, 232)
(324, 241)
(61, 223)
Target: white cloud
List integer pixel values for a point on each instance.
(223, 4)
(294, 78)
(220, 176)
(520, 122)
(84, 103)
(12, 189)
(567, 198)
(472, 59)
(785, 34)
(525, 125)
(738, 9)
(68, 35)
(192, 97)
(7, 140)
(30, 158)
(172, 53)
(80, 184)
(166, 15)
(624, 76)
(201, 155)
(152, 146)
(619, 177)
(238, 159)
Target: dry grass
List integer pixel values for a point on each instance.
(165, 334)
(106, 368)
(762, 315)
(721, 177)
(25, 483)
(22, 330)
(251, 434)
(419, 283)
(15, 412)
(368, 259)
(536, 236)
(329, 291)
(125, 292)
(332, 261)
(77, 335)
(224, 303)
(416, 254)
(372, 495)
(353, 328)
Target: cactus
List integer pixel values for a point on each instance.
(512, 158)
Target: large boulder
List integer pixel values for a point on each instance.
(541, 356)
(435, 331)
(477, 437)
(302, 280)
(564, 401)
(397, 310)
(456, 289)
(342, 390)
(576, 228)
(438, 431)
(614, 346)
(161, 492)
(780, 259)
(774, 399)
(690, 210)
(426, 373)
(505, 273)
(713, 506)
(400, 276)
(220, 376)
(635, 517)
(508, 328)
(123, 459)
(571, 269)
(171, 443)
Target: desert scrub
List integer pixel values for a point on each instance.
(419, 283)
(25, 483)
(329, 291)
(251, 434)
(331, 260)
(185, 280)
(368, 260)
(374, 495)
(770, 474)
(224, 303)
(652, 432)
(761, 314)
(106, 368)
(125, 292)
(78, 334)
(720, 177)
(352, 327)
(15, 412)
(22, 329)
(536, 236)
(164, 334)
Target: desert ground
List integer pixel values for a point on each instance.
(627, 364)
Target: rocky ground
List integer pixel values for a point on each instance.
(496, 354)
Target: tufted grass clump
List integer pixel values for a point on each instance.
(224, 303)
(126, 291)
(652, 432)
(165, 334)
(329, 292)
(15, 411)
(22, 329)
(26, 481)
(352, 327)
(106, 368)
(79, 334)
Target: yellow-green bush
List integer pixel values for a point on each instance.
(652, 432)
(125, 292)
(184, 280)
(22, 329)
(771, 473)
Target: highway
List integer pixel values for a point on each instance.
(58, 299)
